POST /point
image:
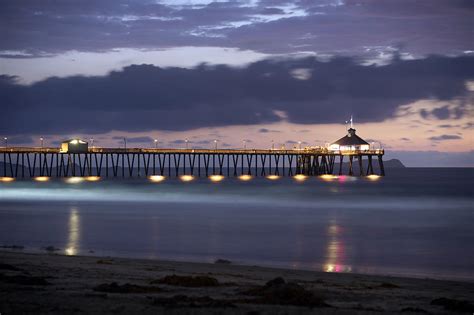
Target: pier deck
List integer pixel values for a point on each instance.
(131, 162)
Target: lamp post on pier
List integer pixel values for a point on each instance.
(92, 142)
(245, 144)
(186, 141)
(42, 142)
(125, 143)
(299, 145)
(156, 143)
(6, 142)
(215, 144)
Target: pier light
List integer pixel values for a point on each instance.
(156, 143)
(92, 142)
(245, 178)
(186, 141)
(6, 142)
(156, 178)
(300, 177)
(215, 144)
(273, 177)
(299, 145)
(6, 179)
(186, 178)
(328, 177)
(42, 178)
(74, 180)
(92, 178)
(216, 178)
(42, 142)
(373, 177)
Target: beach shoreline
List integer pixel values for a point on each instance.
(44, 283)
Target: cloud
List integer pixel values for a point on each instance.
(448, 126)
(445, 137)
(265, 130)
(145, 97)
(36, 28)
(441, 112)
(135, 139)
(179, 141)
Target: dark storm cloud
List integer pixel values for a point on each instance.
(421, 26)
(445, 137)
(449, 126)
(146, 97)
(140, 140)
(265, 130)
(134, 139)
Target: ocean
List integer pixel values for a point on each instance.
(413, 222)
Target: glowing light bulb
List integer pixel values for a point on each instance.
(273, 177)
(42, 178)
(74, 180)
(216, 178)
(300, 177)
(156, 178)
(373, 177)
(186, 178)
(245, 177)
(6, 179)
(328, 177)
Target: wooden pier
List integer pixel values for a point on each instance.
(21, 162)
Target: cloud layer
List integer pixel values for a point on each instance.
(146, 97)
(31, 27)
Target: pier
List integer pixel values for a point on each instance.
(23, 162)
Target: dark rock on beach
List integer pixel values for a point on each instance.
(114, 287)
(187, 281)
(454, 305)
(280, 292)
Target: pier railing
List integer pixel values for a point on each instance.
(131, 162)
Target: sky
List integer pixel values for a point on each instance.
(259, 72)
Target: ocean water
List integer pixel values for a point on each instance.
(413, 222)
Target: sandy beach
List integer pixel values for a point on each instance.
(50, 283)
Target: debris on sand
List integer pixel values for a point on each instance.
(222, 261)
(188, 301)
(17, 247)
(25, 280)
(454, 305)
(105, 262)
(9, 267)
(279, 292)
(188, 281)
(413, 310)
(51, 249)
(114, 287)
(388, 285)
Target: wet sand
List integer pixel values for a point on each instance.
(57, 284)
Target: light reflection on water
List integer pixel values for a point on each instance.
(335, 250)
(74, 232)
